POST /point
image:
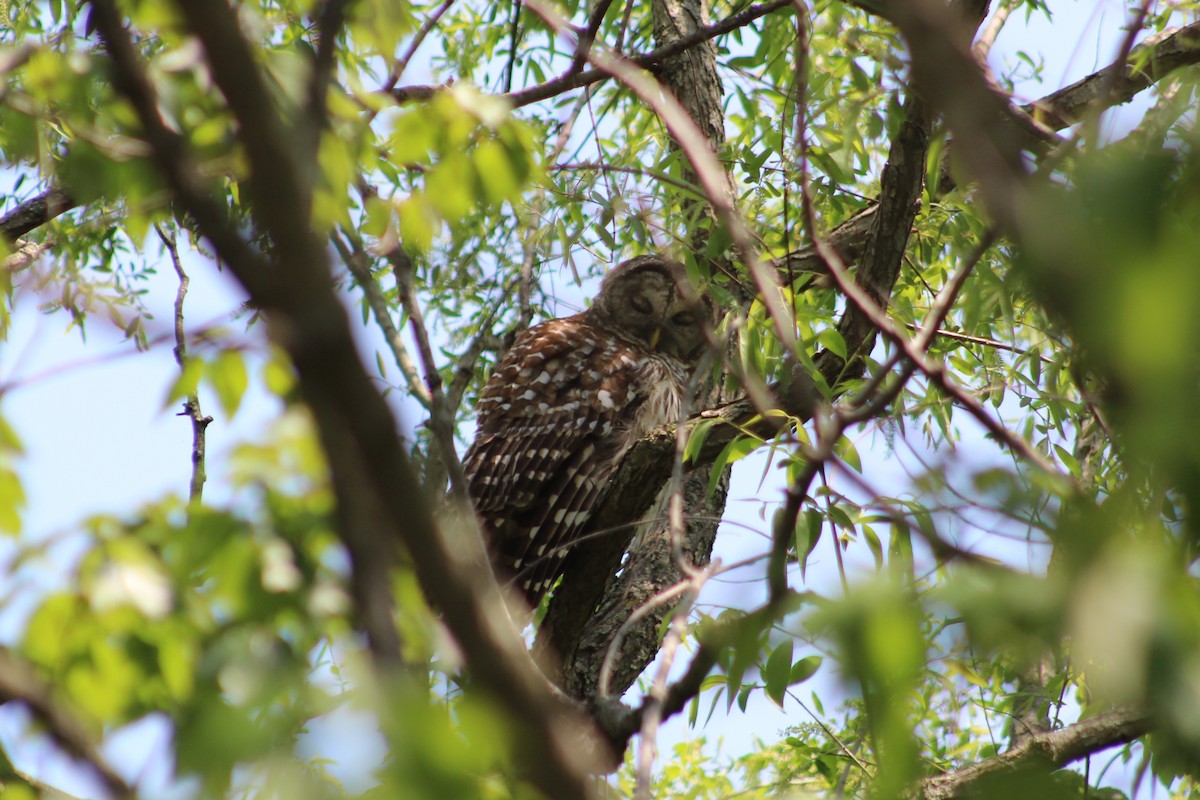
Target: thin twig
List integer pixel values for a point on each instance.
(619, 42)
(588, 36)
(652, 710)
(935, 371)
(401, 64)
(191, 404)
(699, 152)
(441, 418)
(641, 172)
(514, 35)
(1131, 32)
(832, 735)
(981, 340)
(358, 262)
(557, 86)
(530, 244)
(949, 293)
(869, 402)
(987, 38)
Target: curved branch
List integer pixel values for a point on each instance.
(652, 61)
(19, 682)
(1046, 748)
(1121, 81)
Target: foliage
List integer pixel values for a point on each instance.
(983, 601)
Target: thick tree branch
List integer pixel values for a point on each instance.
(633, 489)
(282, 197)
(1121, 81)
(19, 682)
(1045, 748)
(24, 254)
(35, 212)
(380, 503)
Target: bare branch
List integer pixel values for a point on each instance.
(191, 404)
(651, 61)
(19, 682)
(1052, 748)
(652, 709)
(588, 35)
(35, 212)
(987, 38)
(514, 35)
(358, 262)
(441, 416)
(24, 254)
(1146, 64)
(401, 64)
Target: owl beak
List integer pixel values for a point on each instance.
(655, 335)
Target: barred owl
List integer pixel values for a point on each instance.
(566, 403)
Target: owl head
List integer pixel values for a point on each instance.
(648, 301)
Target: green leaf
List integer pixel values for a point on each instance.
(186, 384)
(831, 339)
(227, 376)
(1068, 459)
(696, 438)
(813, 523)
(448, 186)
(804, 669)
(418, 223)
(9, 440)
(874, 544)
(845, 450)
(278, 377)
(497, 176)
(12, 501)
(777, 673)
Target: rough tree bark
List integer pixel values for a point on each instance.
(692, 77)
(580, 624)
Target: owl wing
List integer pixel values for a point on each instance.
(548, 439)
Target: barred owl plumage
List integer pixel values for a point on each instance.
(566, 402)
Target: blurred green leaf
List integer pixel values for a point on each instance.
(228, 376)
